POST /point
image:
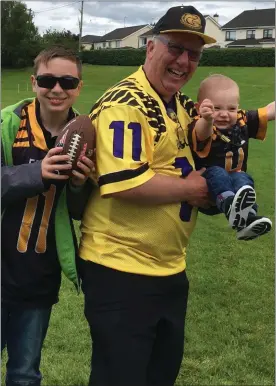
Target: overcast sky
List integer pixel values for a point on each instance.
(102, 17)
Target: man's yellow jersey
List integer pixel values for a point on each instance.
(136, 138)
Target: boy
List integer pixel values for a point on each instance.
(219, 140)
(38, 240)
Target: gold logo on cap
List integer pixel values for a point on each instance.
(191, 21)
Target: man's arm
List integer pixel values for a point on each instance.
(162, 189)
(121, 176)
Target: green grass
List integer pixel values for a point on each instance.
(230, 320)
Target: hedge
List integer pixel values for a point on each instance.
(242, 57)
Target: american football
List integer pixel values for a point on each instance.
(78, 138)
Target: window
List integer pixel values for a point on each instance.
(143, 41)
(230, 35)
(117, 43)
(250, 34)
(109, 44)
(104, 44)
(267, 33)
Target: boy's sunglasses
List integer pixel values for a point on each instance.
(65, 82)
(177, 50)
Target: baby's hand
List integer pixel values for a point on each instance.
(206, 110)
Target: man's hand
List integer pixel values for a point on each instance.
(86, 167)
(54, 163)
(206, 110)
(198, 189)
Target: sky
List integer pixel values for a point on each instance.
(101, 17)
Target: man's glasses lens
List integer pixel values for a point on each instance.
(177, 50)
(65, 82)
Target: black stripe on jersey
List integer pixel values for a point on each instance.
(17, 140)
(123, 175)
(188, 104)
(135, 97)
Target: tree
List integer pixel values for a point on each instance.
(65, 38)
(20, 39)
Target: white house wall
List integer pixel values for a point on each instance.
(133, 39)
(259, 33)
(214, 31)
(86, 46)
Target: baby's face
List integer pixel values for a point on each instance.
(226, 103)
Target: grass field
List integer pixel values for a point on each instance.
(230, 322)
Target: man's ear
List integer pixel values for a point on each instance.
(197, 107)
(150, 47)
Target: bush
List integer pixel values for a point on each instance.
(247, 57)
(240, 57)
(114, 57)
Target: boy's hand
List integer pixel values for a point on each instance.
(86, 167)
(206, 110)
(270, 109)
(53, 163)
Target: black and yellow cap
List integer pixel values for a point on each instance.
(183, 19)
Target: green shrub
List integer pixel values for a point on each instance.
(114, 57)
(247, 57)
(239, 57)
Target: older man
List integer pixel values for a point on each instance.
(136, 228)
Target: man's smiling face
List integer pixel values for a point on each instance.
(166, 70)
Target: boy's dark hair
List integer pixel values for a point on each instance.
(57, 52)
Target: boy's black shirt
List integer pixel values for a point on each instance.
(31, 273)
(228, 155)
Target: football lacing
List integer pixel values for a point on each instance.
(73, 147)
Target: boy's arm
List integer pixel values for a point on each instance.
(77, 198)
(257, 120)
(204, 125)
(22, 181)
(80, 187)
(28, 180)
(270, 109)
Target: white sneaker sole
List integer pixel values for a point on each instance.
(255, 229)
(243, 201)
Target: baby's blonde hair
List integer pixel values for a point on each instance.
(214, 82)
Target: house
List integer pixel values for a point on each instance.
(87, 41)
(253, 28)
(122, 37)
(213, 29)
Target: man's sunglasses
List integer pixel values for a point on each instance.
(65, 82)
(177, 50)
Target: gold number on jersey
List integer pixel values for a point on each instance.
(28, 220)
(229, 161)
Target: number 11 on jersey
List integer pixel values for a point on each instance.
(119, 135)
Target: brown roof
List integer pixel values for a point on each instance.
(90, 39)
(121, 33)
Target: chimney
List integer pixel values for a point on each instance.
(216, 17)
